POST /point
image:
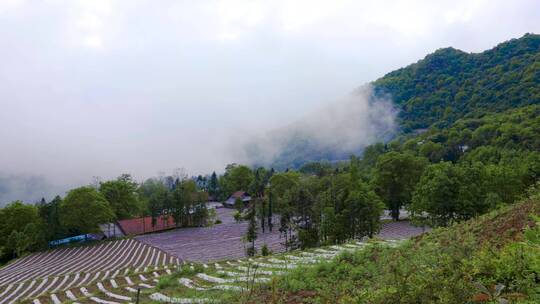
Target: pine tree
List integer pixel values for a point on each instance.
(213, 184)
(270, 210)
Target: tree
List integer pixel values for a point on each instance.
(365, 209)
(84, 209)
(448, 193)
(236, 178)
(122, 196)
(185, 204)
(180, 204)
(396, 175)
(319, 169)
(257, 189)
(286, 227)
(437, 194)
(15, 216)
(433, 151)
(370, 156)
(251, 233)
(270, 210)
(155, 198)
(505, 181)
(20, 242)
(304, 220)
(49, 213)
(17, 242)
(21, 228)
(213, 185)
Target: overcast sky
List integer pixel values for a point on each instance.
(102, 87)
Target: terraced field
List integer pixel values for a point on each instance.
(191, 283)
(62, 269)
(224, 241)
(112, 272)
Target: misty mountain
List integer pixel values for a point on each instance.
(27, 188)
(445, 86)
(450, 84)
(331, 133)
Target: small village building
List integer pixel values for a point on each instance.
(244, 196)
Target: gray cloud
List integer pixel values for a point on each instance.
(342, 128)
(98, 87)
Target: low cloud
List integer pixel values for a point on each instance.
(100, 88)
(335, 131)
(25, 188)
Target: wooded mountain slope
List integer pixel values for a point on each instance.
(450, 84)
(443, 87)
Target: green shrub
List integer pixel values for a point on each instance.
(265, 251)
(237, 216)
(166, 282)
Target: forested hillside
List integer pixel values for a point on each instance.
(450, 84)
(444, 87)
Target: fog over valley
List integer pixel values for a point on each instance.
(93, 89)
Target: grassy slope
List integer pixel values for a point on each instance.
(451, 265)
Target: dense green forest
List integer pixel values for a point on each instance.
(443, 87)
(450, 84)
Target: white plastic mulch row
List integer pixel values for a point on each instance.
(190, 284)
(15, 296)
(280, 266)
(163, 298)
(55, 299)
(85, 292)
(69, 267)
(217, 280)
(101, 301)
(146, 285)
(128, 281)
(245, 274)
(69, 260)
(70, 295)
(13, 293)
(111, 294)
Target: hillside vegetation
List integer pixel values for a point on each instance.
(494, 258)
(442, 88)
(450, 84)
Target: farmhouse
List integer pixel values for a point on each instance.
(244, 196)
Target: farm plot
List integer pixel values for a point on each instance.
(224, 241)
(61, 269)
(196, 283)
(221, 282)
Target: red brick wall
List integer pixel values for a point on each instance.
(144, 225)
